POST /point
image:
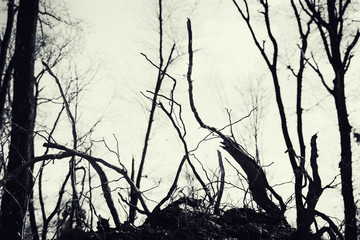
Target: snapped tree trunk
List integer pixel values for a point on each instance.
(13, 206)
(256, 177)
(313, 195)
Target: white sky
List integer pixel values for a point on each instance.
(118, 31)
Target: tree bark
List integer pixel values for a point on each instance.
(346, 160)
(13, 206)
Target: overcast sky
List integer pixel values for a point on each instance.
(225, 63)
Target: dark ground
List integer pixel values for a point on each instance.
(180, 221)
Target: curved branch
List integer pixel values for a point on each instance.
(99, 160)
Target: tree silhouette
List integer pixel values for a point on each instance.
(16, 191)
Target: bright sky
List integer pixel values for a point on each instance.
(225, 61)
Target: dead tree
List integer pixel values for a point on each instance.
(271, 62)
(331, 20)
(257, 180)
(313, 14)
(160, 78)
(95, 163)
(16, 192)
(5, 75)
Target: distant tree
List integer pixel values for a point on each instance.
(254, 98)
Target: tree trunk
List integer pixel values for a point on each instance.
(346, 158)
(339, 67)
(33, 225)
(340, 61)
(13, 206)
(5, 74)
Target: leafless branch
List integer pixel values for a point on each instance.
(187, 153)
(222, 182)
(317, 70)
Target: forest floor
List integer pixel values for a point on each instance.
(181, 221)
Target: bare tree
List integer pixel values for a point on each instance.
(14, 200)
(334, 27)
(258, 183)
(330, 18)
(5, 76)
(159, 81)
